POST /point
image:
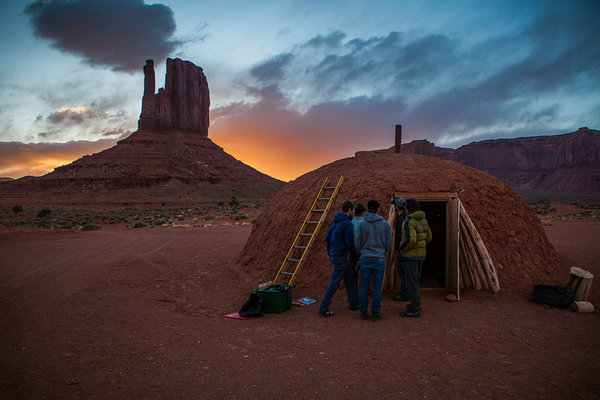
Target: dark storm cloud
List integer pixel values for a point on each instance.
(119, 34)
(332, 68)
(271, 69)
(334, 39)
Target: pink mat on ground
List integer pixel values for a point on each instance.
(236, 316)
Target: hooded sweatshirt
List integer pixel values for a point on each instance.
(373, 237)
(340, 237)
(415, 236)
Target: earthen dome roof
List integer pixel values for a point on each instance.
(510, 229)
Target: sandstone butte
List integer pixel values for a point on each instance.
(170, 153)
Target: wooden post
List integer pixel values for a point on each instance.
(389, 275)
(398, 140)
(580, 281)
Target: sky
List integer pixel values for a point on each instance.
(297, 84)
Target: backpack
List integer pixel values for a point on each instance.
(554, 295)
(252, 307)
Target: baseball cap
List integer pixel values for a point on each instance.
(399, 202)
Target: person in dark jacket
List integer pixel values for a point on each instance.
(373, 239)
(343, 255)
(399, 203)
(415, 236)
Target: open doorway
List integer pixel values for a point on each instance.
(433, 274)
(441, 266)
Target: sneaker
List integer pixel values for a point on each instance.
(400, 297)
(364, 316)
(410, 314)
(376, 317)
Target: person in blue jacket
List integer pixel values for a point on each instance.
(343, 255)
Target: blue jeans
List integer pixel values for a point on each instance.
(371, 268)
(342, 269)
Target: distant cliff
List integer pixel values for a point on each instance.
(559, 166)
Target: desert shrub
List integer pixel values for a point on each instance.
(159, 222)
(587, 205)
(90, 227)
(17, 209)
(139, 225)
(234, 202)
(208, 217)
(43, 224)
(44, 212)
(240, 215)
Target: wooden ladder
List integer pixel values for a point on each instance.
(309, 230)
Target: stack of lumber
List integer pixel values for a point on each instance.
(476, 267)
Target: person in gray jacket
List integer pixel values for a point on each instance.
(373, 239)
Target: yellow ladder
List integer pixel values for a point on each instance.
(316, 216)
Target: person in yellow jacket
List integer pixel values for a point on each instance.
(413, 249)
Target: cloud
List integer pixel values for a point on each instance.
(528, 94)
(286, 143)
(272, 69)
(71, 115)
(543, 76)
(21, 159)
(89, 121)
(119, 34)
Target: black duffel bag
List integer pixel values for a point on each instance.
(252, 307)
(554, 295)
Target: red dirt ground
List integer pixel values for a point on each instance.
(138, 313)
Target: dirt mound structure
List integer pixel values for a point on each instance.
(509, 228)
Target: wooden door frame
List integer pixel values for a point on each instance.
(452, 260)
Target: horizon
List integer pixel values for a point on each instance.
(385, 148)
(296, 86)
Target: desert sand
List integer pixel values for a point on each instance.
(138, 313)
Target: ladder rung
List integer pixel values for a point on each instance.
(293, 259)
(299, 247)
(306, 234)
(319, 210)
(312, 222)
(324, 198)
(329, 187)
(287, 273)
